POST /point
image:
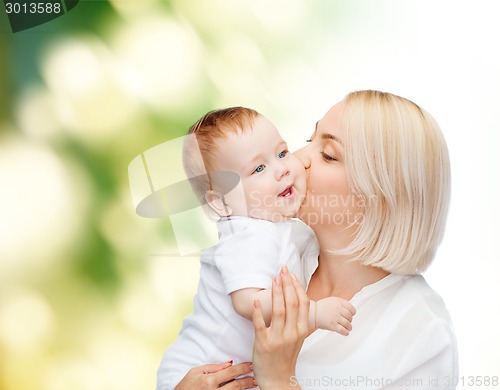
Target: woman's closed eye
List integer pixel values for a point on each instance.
(328, 157)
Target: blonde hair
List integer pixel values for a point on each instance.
(398, 164)
(201, 148)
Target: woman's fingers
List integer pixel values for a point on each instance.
(213, 376)
(232, 372)
(291, 300)
(211, 368)
(278, 312)
(240, 384)
(259, 324)
(304, 304)
(276, 348)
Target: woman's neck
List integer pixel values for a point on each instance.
(337, 276)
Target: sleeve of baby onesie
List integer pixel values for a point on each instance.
(250, 258)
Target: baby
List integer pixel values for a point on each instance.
(242, 170)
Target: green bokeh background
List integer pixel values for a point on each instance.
(91, 293)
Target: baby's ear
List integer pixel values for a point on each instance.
(216, 202)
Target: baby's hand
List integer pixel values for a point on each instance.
(335, 314)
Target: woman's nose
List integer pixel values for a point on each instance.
(303, 155)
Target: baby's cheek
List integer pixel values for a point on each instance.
(301, 179)
(298, 164)
(298, 171)
(254, 200)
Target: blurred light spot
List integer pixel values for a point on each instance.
(74, 374)
(280, 17)
(41, 206)
(143, 310)
(240, 52)
(131, 9)
(164, 58)
(173, 278)
(238, 89)
(26, 321)
(13, 374)
(230, 15)
(75, 66)
(305, 95)
(124, 363)
(36, 112)
(236, 58)
(123, 228)
(81, 73)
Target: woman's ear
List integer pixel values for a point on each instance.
(216, 202)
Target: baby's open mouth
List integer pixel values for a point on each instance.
(287, 192)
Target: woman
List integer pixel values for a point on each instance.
(378, 193)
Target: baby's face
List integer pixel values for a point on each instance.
(273, 180)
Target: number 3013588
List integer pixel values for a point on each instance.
(472, 381)
(33, 8)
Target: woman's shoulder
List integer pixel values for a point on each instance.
(426, 317)
(422, 300)
(407, 309)
(404, 296)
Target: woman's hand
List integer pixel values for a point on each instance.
(276, 348)
(218, 376)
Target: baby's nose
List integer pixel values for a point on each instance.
(282, 170)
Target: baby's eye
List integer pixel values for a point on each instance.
(283, 154)
(260, 168)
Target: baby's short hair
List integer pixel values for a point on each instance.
(201, 144)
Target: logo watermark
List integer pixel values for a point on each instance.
(364, 381)
(161, 188)
(26, 14)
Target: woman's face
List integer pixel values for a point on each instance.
(329, 201)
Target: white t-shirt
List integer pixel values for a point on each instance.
(401, 337)
(249, 254)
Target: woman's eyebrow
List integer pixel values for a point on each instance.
(331, 136)
(328, 135)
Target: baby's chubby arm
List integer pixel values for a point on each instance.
(243, 300)
(335, 314)
(330, 313)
